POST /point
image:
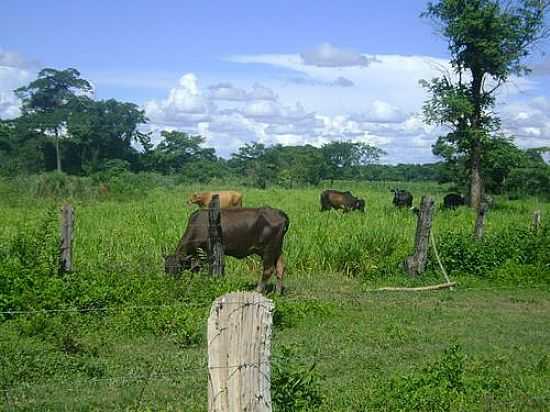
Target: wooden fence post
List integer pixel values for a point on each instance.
(480, 221)
(215, 238)
(66, 238)
(536, 220)
(239, 353)
(416, 264)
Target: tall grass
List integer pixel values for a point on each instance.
(119, 244)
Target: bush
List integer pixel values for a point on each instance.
(294, 386)
(29, 266)
(435, 387)
(515, 249)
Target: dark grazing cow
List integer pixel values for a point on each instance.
(453, 200)
(402, 198)
(333, 199)
(246, 231)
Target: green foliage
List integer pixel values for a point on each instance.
(178, 151)
(488, 41)
(437, 387)
(342, 158)
(295, 386)
(288, 314)
(29, 266)
(516, 254)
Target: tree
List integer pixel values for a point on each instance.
(488, 41)
(104, 130)
(250, 161)
(342, 157)
(46, 101)
(178, 150)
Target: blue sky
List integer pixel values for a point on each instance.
(278, 72)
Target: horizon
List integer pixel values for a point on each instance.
(282, 73)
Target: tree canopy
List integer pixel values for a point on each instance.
(488, 41)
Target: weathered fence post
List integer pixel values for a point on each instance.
(66, 238)
(416, 264)
(480, 221)
(239, 353)
(536, 220)
(215, 238)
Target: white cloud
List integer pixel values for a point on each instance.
(326, 55)
(340, 81)
(15, 60)
(185, 105)
(15, 71)
(528, 121)
(9, 106)
(226, 91)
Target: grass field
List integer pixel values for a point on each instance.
(483, 346)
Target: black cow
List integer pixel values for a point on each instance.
(453, 200)
(333, 199)
(246, 231)
(402, 198)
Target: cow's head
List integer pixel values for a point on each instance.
(193, 198)
(359, 205)
(174, 265)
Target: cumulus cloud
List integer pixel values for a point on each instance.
(185, 105)
(259, 115)
(15, 71)
(9, 106)
(528, 121)
(327, 55)
(381, 112)
(226, 91)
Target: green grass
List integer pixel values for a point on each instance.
(369, 348)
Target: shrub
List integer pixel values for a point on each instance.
(294, 386)
(435, 387)
(497, 252)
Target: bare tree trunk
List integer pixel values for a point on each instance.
(416, 264)
(215, 238)
(475, 134)
(475, 184)
(57, 151)
(480, 222)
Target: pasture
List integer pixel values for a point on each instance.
(131, 338)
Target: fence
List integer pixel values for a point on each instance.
(229, 368)
(238, 366)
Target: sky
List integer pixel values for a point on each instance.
(289, 72)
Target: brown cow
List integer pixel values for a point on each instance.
(246, 231)
(227, 199)
(333, 199)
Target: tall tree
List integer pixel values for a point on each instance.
(178, 149)
(488, 41)
(342, 157)
(104, 130)
(46, 101)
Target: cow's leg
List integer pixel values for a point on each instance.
(280, 272)
(268, 270)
